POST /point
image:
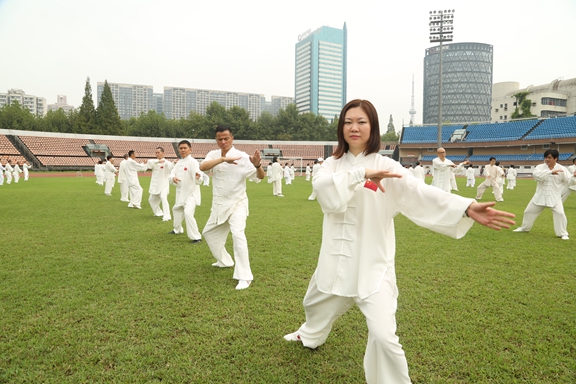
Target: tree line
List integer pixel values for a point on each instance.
(288, 125)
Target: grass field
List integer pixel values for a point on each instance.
(94, 292)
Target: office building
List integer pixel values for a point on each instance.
(466, 83)
(131, 99)
(61, 103)
(320, 73)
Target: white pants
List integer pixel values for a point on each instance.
(288, 180)
(124, 191)
(216, 235)
(186, 213)
(16, 177)
(155, 201)
(8, 177)
(307, 177)
(109, 184)
(470, 182)
(313, 195)
(1, 178)
(384, 359)
(511, 184)
(277, 187)
(496, 189)
(532, 211)
(135, 195)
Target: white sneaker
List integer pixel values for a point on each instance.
(130, 206)
(292, 337)
(565, 237)
(519, 229)
(220, 265)
(243, 284)
(137, 207)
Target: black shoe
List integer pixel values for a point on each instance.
(173, 233)
(196, 241)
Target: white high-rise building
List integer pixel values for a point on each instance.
(36, 105)
(61, 103)
(131, 99)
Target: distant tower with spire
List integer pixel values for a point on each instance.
(412, 108)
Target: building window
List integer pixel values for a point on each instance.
(523, 147)
(553, 101)
(545, 146)
(496, 110)
(505, 117)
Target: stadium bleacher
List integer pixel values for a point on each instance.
(513, 130)
(554, 128)
(428, 134)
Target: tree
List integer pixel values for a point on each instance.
(522, 110)
(107, 117)
(86, 119)
(16, 116)
(390, 136)
(56, 121)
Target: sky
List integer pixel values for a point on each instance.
(49, 48)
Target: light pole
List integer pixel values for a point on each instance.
(441, 29)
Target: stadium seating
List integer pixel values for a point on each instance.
(554, 128)
(144, 149)
(455, 159)
(428, 134)
(513, 130)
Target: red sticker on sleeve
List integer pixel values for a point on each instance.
(370, 185)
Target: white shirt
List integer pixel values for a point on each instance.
(511, 175)
(109, 169)
(160, 173)
(185, 170)
(470, 173)
(122, 172)
(572, 169)
(358, 241)
(275, 172)
(131, 171)
(419, 172)
(549, 187)
(229, 183)
(492, 173)
(17, 169)
(308, 170)
(443, 173)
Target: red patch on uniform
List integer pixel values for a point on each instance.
(185, 169)
(161, 167)
(370, 185)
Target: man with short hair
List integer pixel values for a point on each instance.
(470, 176)
(492, 173)
(276, 177)
(16, 173)
(25, 168)
(419, 172)
(511, 177)
(230, 169)
(551, 178)
(122, 180)
(131, 171)
(109, 175)
(159, 186)
(185, 176)
(444, 170)
(9, 171)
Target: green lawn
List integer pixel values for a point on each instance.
(94, 292)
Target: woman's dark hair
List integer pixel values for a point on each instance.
(373, 145)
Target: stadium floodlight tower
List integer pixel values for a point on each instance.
(441, 29)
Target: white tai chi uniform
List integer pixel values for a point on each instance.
(356, 261)
(470, 177)
(8, 172)
(122, 181)
(419, 173)
(187, 196)
(511, 176)
(109, 177)
(492, 173)
(548, 194)
(160, 188)
(501, 179)
(25, 168)
(205, 179)
(443, 173)
(571, 187)
(315, 170)
(131, 171)
(276, 178)
(16, 173)
(99, 171)
(287, 177)
(308, 173)
(292, 172)
(2, 169)
(229, 211)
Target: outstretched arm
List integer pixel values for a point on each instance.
(484, 214)
(256, 161)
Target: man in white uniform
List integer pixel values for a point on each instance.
(470, 176)
(109, 175)
(511, 176)
(230, 169)
(25, 168)
(501, 178)
(292, 173)
(99, 171)
(2, 169)
(315, 170)
(444, 170)
(16, 173)
(9, 171)
(552, 178)
(159, 187)
(568, 189)
(287, 178)
(122, 180)
(131, 170)
(185, 176)
(276, 177)
(419, 172)
(492, 173)
(308, 172)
